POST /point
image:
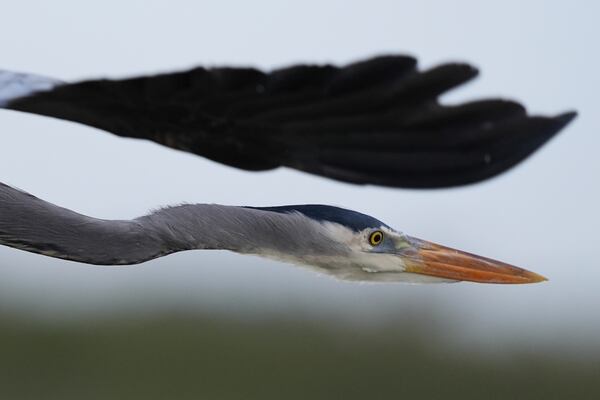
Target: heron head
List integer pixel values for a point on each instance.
(373, 251)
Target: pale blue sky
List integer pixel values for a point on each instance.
(542, 215)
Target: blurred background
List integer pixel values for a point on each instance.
(217, 325)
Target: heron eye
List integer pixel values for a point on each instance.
(376, 238)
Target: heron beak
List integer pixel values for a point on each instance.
(443, 262)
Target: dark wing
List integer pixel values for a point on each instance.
(372, 122)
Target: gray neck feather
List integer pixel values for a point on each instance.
(239, 229)
(31, 224)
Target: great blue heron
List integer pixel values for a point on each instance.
(376, 121)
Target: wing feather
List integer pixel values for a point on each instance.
(376, 121)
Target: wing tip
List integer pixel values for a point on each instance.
(467, 70)
(565, 118)
(557, 123)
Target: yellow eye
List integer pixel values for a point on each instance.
(376, 238)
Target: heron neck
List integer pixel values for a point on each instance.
(35, 225)
(239, 229)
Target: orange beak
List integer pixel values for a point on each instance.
(428, 258)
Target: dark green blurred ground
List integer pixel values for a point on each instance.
(187, 358)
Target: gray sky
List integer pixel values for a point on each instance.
(543, 215)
